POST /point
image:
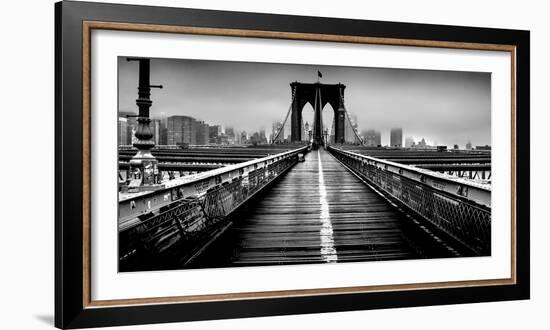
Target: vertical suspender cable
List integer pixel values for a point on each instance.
(286, 117)
(321, 115)
(349, 120)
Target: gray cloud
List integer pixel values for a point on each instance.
(442, 106)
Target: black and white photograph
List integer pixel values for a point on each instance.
(232, 164)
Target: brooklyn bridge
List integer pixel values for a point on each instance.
(314, 200)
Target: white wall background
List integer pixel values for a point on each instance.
(27, 178)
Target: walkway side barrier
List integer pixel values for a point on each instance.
(168, 226)
(459, 207)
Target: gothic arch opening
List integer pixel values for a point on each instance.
(308, 114)
(318, 95)
(328, 122)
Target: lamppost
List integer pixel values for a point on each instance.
(144, 174)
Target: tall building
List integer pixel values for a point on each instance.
(156, 127)
(161, 138)
(469, 145)
(223, 139)
(132, 129)
(182, 130)
(163, 118)
(214, 133)
(422, 143)
(237, 138)
(306, 132)
(230, 132)
(131, 125)
(255, 138)
(244, 139)
(372, 138)
(396, 137)
(263, 138)
(203, 133)
(122, 131)
(409, 142)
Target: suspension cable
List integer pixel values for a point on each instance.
(286, 117)
(321, 116)
(349, 121)
(333, 127)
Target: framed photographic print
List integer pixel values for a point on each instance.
(215, 164)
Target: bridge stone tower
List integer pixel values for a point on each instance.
(317, 95)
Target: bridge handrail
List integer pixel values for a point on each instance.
(192, 185)
(478, 193)
(460, 208)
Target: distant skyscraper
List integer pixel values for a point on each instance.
(244, 138)
(182, 130)
(230, 132)
(163, 133)
(422, 143)
(223, 139)
(306, 132)
(132, 128)
(163, 119)
(262, 137)
(131, 125)
(469, 145)
(214, 133)
(122, 131)
(255, 138)
(372, 138)
(237, 138)
(203, 133)
(156, 127)
(396, 137)
(409, 142)
(162, 137)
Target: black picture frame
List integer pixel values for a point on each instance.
(71, 176)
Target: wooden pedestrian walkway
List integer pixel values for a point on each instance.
(318, 212)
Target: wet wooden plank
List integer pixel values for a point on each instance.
(317, 212)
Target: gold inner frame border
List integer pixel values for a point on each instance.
(89, 26)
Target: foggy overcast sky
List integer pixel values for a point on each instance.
(443, 107)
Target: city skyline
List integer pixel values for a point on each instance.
(186, 130)
(371, 137)
(183, 205)
(442, 107)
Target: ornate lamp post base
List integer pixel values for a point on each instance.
(144, 173)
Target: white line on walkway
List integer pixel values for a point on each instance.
(328, 252)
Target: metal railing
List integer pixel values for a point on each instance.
(460, 208)
(172, 233)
